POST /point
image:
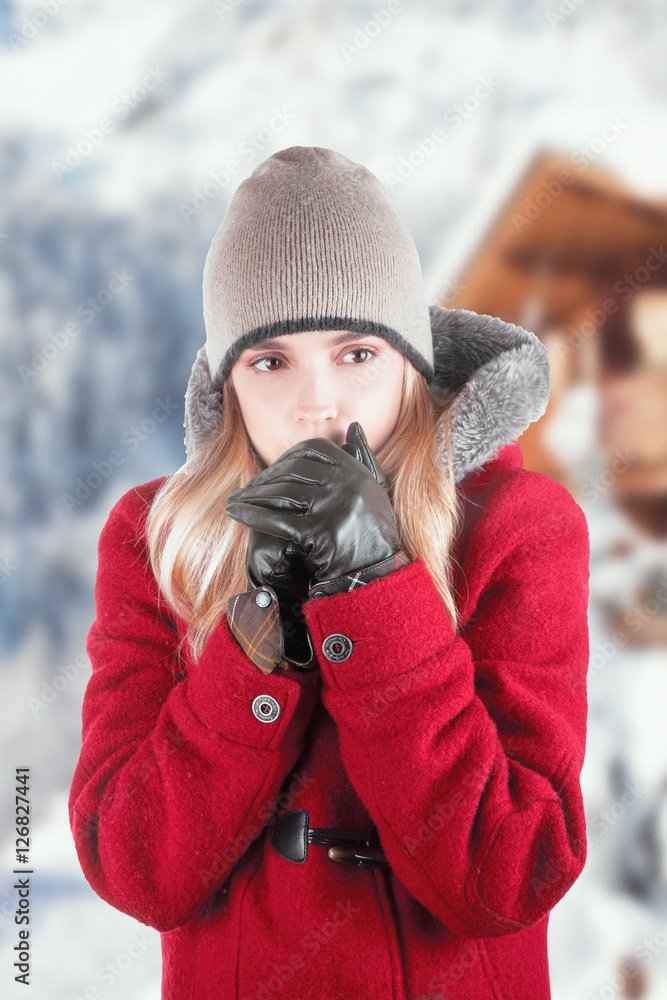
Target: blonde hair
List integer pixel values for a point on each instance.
(197, 553)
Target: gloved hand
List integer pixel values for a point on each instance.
(328, 502)
(270, 561)
(274, 562)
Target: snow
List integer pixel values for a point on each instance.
(235, 87)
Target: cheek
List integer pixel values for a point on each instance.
(385, 390)
(265, 419)
(379, 404)
(257, 400)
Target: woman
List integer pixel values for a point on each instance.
(333, 735)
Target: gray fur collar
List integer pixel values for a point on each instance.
(499, 373)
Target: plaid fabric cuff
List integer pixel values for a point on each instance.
(254, 621)
(360, 577)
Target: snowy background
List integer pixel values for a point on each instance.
(125, 127)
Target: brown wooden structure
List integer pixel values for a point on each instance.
(578, 257)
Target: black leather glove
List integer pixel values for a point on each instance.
(272, 561)
(328, 502)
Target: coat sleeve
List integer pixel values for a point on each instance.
(466, 748)
(176, 774)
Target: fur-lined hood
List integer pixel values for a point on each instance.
(498, 372)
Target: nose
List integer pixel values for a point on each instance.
(314, 402)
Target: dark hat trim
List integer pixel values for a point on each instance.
(496, 375)
(283, 326)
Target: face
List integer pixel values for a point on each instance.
(314, 384)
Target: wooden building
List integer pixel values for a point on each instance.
(576, 256)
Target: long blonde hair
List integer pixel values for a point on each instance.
(197, 553)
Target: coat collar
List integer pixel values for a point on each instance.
(498, 372)
(500, 375)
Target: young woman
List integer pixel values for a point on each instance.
(336, 721)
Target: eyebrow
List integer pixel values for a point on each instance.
(340, 338)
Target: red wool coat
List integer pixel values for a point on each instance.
(464, 749)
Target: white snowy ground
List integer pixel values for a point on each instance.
(280, 74)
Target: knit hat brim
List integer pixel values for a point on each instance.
(281, 327)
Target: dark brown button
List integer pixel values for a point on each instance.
(360, 856)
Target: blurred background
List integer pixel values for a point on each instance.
(524, 144)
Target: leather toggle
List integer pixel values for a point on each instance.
(291, 836)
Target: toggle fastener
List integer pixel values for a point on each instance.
(291, 836)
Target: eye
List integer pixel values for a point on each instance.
(258, 362)
(360, 350)
(267, 357)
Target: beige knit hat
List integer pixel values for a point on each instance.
(310, 242)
